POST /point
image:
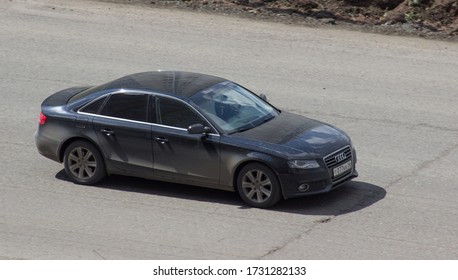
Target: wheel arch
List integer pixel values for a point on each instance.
(258, 158)
(67, 143)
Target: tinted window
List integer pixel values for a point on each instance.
(127, 106)
(94, 107)
(175, 113)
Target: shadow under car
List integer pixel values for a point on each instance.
(351, 197)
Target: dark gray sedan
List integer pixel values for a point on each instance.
(194, 129)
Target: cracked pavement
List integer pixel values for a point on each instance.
(395, 96)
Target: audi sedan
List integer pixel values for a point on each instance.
(194, 129)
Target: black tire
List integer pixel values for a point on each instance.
(258, 185)
(84, 163)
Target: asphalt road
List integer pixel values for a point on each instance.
(397, 97)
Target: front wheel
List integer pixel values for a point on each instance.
(84, 163)
(258, 185)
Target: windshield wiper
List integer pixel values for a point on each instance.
(242, 129)
(267, 119)
(251, 125)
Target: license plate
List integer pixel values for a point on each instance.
(342, 169)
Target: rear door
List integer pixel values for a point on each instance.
(124, 132)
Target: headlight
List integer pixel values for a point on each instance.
(303, 164)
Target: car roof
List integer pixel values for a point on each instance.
(176, 83)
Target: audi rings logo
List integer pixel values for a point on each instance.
(340, 157)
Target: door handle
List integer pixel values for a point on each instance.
(161, 140)
(107, 132)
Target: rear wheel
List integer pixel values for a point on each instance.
(258, 185)
(84, 163)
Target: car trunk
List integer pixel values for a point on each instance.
(61, 97)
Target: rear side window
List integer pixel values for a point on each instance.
(127, 106)
(175, 113)
(94, 107)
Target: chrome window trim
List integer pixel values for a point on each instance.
(140, 122)
(90, 103)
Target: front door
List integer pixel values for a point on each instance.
(180, 156)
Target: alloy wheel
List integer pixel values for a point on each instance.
(82, 163)
(256, 186)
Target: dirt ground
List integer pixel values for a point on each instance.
(424, 18)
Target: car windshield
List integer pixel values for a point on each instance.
(233, 108)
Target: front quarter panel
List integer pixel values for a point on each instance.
(235, 154)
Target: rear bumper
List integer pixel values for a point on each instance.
(47, 146)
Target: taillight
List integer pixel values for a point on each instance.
(41, 119)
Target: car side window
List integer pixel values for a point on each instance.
(127, 106)
(94, 107)
(176, 114)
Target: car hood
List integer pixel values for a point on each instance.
(295, 136)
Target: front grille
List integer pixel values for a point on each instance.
(337, 158)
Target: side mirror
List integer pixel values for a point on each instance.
(263, 97)
(198, 129)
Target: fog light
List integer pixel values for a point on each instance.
(303, 188)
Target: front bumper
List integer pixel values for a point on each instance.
(298, 183)
(317, 182)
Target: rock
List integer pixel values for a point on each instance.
(322, 14)
(388, 4)
(328, 20)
